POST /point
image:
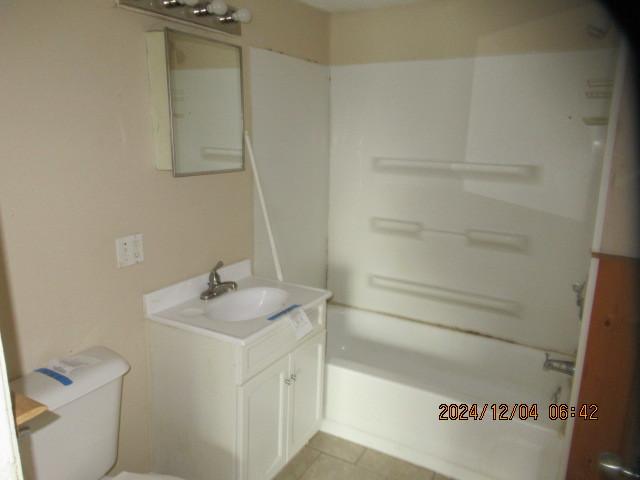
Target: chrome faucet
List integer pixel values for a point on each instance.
(563, 366)
(216, 286)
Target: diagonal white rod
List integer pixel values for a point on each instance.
(263, 206)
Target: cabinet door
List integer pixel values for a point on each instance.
(262, 422)
(306, 398)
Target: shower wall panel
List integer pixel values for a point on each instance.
(290, 109)
(462, 191)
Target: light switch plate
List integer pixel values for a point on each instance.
(129, 250)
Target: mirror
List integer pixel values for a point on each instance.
(205, 104)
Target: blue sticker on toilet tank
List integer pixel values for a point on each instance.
(55, 375)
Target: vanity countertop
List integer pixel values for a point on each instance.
(180, 306)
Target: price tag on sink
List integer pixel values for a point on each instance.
(300, 322)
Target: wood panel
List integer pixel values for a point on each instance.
(611, 358)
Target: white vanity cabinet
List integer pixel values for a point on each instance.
(225, 410)
(280, 409)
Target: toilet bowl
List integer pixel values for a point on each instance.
(78, 438)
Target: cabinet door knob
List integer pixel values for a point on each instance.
(287, 381)
(293, 377)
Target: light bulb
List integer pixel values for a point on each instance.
(217, 7)
(242, 15)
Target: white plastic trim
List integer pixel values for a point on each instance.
(580, 356)
(10, 467)
(605, 176)
(263, 206)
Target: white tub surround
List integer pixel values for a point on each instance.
(236, 398)
(463, 190)
(386, 380)
(462, 194)
(290, 133)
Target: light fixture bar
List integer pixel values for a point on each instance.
(181, 11)
(220, 10)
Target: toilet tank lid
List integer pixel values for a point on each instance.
(66, 379)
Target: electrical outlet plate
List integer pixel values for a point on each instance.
(129, 250)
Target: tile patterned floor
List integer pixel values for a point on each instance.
(326, 457)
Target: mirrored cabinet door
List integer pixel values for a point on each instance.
(202, 103)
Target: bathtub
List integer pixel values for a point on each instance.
(386, 378)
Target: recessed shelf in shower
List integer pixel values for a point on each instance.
(473, 236)
(600, 83)
(595, 121)
(511, 170)
(599, 88)
(598, 94)
(448, 295)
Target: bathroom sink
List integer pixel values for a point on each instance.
(246, 304)
(238, 316)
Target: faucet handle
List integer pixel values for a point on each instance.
(578, 287)
(214, 278)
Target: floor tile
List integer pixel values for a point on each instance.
(298, 464)
(336, 447)
(330, 468)
(393, 468)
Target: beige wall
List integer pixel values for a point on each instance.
(436, 29)
(287, 26)
(77, 171)
(620, 234)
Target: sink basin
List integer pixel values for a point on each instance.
(246, 304)
(237, 317)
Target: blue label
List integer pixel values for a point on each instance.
(55, 375)
(282, 312)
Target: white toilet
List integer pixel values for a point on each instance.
(79, 440)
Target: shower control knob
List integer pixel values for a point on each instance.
(579, 289)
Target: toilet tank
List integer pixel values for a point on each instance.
(78, 438)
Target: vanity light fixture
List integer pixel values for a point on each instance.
(179, 3)
(216, 7)
(213, 14)
(223, 12)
